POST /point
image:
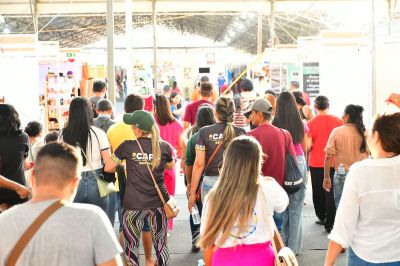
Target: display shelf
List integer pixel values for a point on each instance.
(59, 92)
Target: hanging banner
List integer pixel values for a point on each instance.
(311, 78)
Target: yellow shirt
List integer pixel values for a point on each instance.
(196, 95)
(117, 134)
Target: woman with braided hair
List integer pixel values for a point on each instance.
(210, 147)
(347, 145)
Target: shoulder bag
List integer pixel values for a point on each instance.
(171, 210)
(31, 231)
(293, 180)
(198, 191)
(105, 187)
(284, 256)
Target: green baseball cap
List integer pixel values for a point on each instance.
(141, 119)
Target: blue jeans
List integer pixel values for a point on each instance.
(113, 206)
(88, 191)
(207, 185)
(292, 227)
(338, 183)
(354, 260)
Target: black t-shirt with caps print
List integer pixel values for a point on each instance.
(209, 138)
(140, 193)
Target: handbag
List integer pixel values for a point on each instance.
(284, 256)
(293, 180)
(170, 208)
(31, 231)
(198, 191)
(105, 187)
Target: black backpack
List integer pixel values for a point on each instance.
(292, 180)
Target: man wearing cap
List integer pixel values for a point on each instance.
(271, 139)
(141, 200)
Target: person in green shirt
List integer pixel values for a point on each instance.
(205, 117)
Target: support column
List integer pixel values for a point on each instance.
(272, 24)
(373, 57)
(154, 45)
(130, 75)
(259, 33)
(110, 51)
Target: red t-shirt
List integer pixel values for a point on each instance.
(320, 128)
(148, 103)
(273, 145)
(191, 111)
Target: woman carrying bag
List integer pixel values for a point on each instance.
(237, 216)
(146, 158)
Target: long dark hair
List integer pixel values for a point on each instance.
(162, 110)
(287, 116)
(9, 121)
(80, 119)
(204, 117)
(355, 116)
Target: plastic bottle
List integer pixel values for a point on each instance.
(200, 262)
(195, 215)
(341, 171)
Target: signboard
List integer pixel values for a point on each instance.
(311, 78)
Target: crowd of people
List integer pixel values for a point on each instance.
(234, 150)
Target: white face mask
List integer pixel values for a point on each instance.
(104, 115)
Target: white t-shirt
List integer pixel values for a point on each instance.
(93, 152)
(76, 234)
(368, 216)
(260, 230)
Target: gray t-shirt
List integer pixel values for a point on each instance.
(76, 234)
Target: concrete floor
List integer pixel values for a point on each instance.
(313, 252)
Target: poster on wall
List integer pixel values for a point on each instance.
(275, 77)
(311, 78)
(293, 73)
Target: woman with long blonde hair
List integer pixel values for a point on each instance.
(237, 217)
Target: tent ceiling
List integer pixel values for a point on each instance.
(76, 23)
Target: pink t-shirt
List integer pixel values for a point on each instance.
(171, 132)
(298, 148)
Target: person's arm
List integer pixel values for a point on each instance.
(327, 184)
(170, 164)
(198, 168)
(347, 216)
(394, 99)
(116, 261)
(109, 163)
(333, 252)
(21, 190)
(330, 151)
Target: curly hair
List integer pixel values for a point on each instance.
(9, 121)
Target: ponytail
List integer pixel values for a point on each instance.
(225, 110)
(155, 146)
(355, 116)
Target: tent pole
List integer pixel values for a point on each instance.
(110, 51)
(155, 82)
(272, 24)
(373, 53)
(259, 33)
(130, 81)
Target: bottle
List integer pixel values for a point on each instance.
(341, 171)
(200, 262)
(195, 215)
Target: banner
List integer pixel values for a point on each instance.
(311, 78)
